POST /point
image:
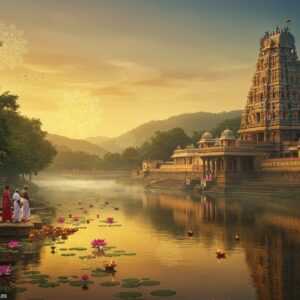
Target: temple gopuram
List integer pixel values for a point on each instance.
(269, 136)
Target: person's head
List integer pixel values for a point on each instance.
(7, 187)
(25, 187)
(17, 191)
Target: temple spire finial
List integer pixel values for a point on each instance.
(288, 24)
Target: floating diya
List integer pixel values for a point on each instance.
(221, 254)
(91, 205)
(109, 220)
(116, 208)
(190, 233)
(87, 221)
(110, 266)
(237, 238)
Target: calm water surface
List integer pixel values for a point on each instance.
(264, 264)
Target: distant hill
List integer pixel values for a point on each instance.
(189, 122)
(98, 140)
(64, 143)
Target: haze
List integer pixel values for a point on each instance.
(103, 67)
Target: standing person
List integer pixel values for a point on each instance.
(25, 203)
(6, 206)
(17, 207)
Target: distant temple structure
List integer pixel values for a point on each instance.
(269, 136)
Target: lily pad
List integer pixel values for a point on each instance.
(163, 293)
(32, 272)
(110, 283)
(63, 249)
(81, 282)
(131, 284)
(68, 254)
(49, 284)
(77, 249)
(100, 274)
(149, 282)
(129, 254)
(20, 289)
(130, 280)
(129, 295)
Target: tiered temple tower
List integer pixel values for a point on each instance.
(272, 113)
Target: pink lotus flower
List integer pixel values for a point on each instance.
(109, 220)
(85, 277)
(5, 270)
(98, 243)
(75, 219)
(13, 244)
(60, 219)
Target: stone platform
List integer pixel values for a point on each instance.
(20, 229)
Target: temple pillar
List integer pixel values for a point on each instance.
(204, 167)
(239, 164)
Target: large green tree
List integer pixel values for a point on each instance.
(23, 146)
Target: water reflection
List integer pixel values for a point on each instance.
(263, 265)
(269, 227)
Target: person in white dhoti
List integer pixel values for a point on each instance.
(17, 207)
(25, 204)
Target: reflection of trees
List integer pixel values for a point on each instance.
(269, 230)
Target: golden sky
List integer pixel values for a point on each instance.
(100, 68)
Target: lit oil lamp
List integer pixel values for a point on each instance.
(116, 208)
(190, 233)
(220, 254)
(110, 266)
(237, 238)
(87, 221)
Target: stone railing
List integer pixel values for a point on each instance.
(178, 168)
(281, 164)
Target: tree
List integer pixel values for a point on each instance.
(23, 145)
(233, 124)
(163, 143)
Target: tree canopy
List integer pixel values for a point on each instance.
(23, 147)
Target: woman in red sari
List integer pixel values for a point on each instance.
(6, 205)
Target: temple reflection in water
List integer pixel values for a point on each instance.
(269, 231)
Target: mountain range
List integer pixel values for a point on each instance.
(189, 122)
(63, 143)
(100, 145)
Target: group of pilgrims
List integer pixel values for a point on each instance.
(17, 209)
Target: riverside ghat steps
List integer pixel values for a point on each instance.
(20, 229)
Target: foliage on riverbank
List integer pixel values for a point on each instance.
(23, 147)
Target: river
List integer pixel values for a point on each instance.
(152, 229)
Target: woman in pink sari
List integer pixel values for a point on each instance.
(6, 205)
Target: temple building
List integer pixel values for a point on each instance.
(269, 135)
(272, 112)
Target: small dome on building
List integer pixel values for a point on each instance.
(227, 134)
(206, 136)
